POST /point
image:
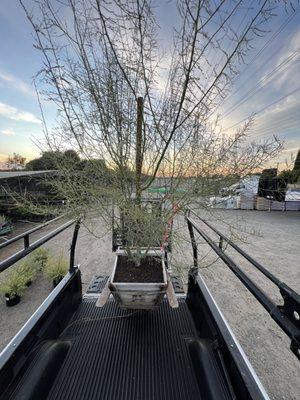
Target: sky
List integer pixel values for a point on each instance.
(268, 85)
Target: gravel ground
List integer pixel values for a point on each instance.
(270, 237)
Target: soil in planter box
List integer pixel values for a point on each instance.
(149, 270)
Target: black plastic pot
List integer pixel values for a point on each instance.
(56, 281)
(12, 301)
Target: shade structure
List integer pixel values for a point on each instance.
(166, 190)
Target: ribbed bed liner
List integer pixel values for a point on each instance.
(121, 354)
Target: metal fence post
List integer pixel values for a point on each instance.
(221, 243)
(194, 244)
(73, 246)
(26, 241)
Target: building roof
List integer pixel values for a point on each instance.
(15, 174)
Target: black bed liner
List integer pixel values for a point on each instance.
(110, 354)
(70, 349)
(120, 354)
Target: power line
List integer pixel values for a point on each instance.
(280, 124)
(271, 39)
(264, 108)
(255, 71)
(262, 134)
(260, 83)
(267, 43)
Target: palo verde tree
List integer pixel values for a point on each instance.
(144, 104)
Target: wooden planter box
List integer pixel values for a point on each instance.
(138, 295)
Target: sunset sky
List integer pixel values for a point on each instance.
(268, 86)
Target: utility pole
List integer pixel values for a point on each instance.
(139, 155)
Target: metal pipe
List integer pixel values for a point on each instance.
(22, 253)
(26, 241)
(22, 235)
(194, 244)
(279, 317)
(73, 246)
(290, 297)
(245, 255)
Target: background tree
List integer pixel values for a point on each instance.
(46, 162)
(52, 160)
(16, 161)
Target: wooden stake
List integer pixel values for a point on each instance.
(104, 295)
(139, 155)
(171, 296)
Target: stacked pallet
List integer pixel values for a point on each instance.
(262, 204)
(246, 201)
(277, 205)
(292, 205)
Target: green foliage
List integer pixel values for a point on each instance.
(68, 160)
(27, 270)
(142, 226)
(297, 163)
(3, 219)
(56, 267)
(51, 160)
(14, 284)
(39, 258)
(71, 156)
(289, 176)
(16, 281)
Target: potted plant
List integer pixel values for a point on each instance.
(56, 268)
(13, 288)
(27, 269)
(39, 258)
(139, 281)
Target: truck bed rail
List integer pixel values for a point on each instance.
(286, 315)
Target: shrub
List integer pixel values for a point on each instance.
(39, 257)
(56, 267)
(28, 270)
(14, 285)
(3, 219)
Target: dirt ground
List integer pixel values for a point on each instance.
(270, 237)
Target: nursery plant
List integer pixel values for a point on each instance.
(39, 258)
(56, 268)
(147, 108)
(3, 220)
(27, 270)
(5, 225)
(13, 287)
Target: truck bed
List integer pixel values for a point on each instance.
(118, 354)
(70, 349)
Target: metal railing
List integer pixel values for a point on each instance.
(25, 235)
(28, 248)
(287, 316)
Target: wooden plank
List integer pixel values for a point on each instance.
(171, 296)
(104, 295)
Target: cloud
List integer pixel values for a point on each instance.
(288, 75)
(16, 83)
(17, 115)
(8, 132)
